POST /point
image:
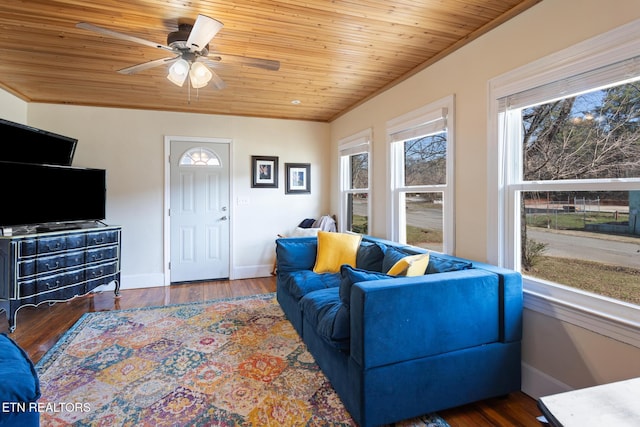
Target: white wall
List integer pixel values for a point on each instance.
(12, 108)
(129, 144)
(570, 357)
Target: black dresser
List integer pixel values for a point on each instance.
(56, 266)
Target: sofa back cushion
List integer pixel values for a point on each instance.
(296, 253)
(442, 263)
(350, 275)
(370, 256)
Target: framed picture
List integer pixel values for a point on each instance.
(298, 178)
(264, 172)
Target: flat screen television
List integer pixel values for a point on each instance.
(41, 194)
(21, 143)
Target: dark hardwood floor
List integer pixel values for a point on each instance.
(38, 329)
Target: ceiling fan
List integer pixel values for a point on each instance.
(191, 56)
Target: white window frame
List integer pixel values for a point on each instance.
(406, 127)
(606, 316)
(359, 143)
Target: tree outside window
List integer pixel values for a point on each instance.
(578, 222)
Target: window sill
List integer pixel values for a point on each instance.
(608, 317)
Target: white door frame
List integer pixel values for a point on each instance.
(167, 199)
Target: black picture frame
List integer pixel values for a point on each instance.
(264, 172)
(298, 178)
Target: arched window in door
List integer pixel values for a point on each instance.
(199, 156)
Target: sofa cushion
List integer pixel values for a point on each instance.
(300, 283)
(350, 275)
(19, 378)
(296, 253)
(334, 250)
(324, 311)
(411, 265)
(445, 263)
(370, 256)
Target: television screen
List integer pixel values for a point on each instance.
(21, 143)
(37, 194)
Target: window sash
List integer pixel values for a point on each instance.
(427, 120)
(359, 143)
(621, 72)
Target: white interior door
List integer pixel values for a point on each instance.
(199, 210)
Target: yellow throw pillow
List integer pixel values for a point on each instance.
(334, 250)
(412, 265)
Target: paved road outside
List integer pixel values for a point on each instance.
(609, 249)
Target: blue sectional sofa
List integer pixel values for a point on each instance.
(19, 386)
(397, 347)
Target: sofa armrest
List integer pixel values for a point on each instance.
(406, 318)
(296, 253)
(512, 304)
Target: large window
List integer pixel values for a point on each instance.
(568, 182)
(422, 175)
(355, 212)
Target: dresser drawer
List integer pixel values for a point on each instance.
(51, 244)
(39, 285)
(62, 294)
(50, 264)
(49, 283)
(102, 254)
(102, 238)
(102, 270)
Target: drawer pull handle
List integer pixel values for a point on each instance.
(54, 267)
(53, 286)
(54, 247)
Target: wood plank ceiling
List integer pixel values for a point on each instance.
(333, 54)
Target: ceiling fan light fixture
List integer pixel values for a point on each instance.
(203, 31)
(200, 75)
(178, 72)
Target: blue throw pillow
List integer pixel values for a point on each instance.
(350, 275)
(391, 256)
(442, 265)
(370, 256)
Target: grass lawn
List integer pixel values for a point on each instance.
(573, 220)
(621, 283)
(416, 236)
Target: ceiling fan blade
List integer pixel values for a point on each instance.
(115, 34)
(146, 65)
(202, 32)
(217, 81)
(266, 64)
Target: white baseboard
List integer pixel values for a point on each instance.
(137, 281)
(251, 271)
(536, 383)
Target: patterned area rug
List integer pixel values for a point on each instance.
(235, 362)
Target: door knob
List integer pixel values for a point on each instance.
(224, 218)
